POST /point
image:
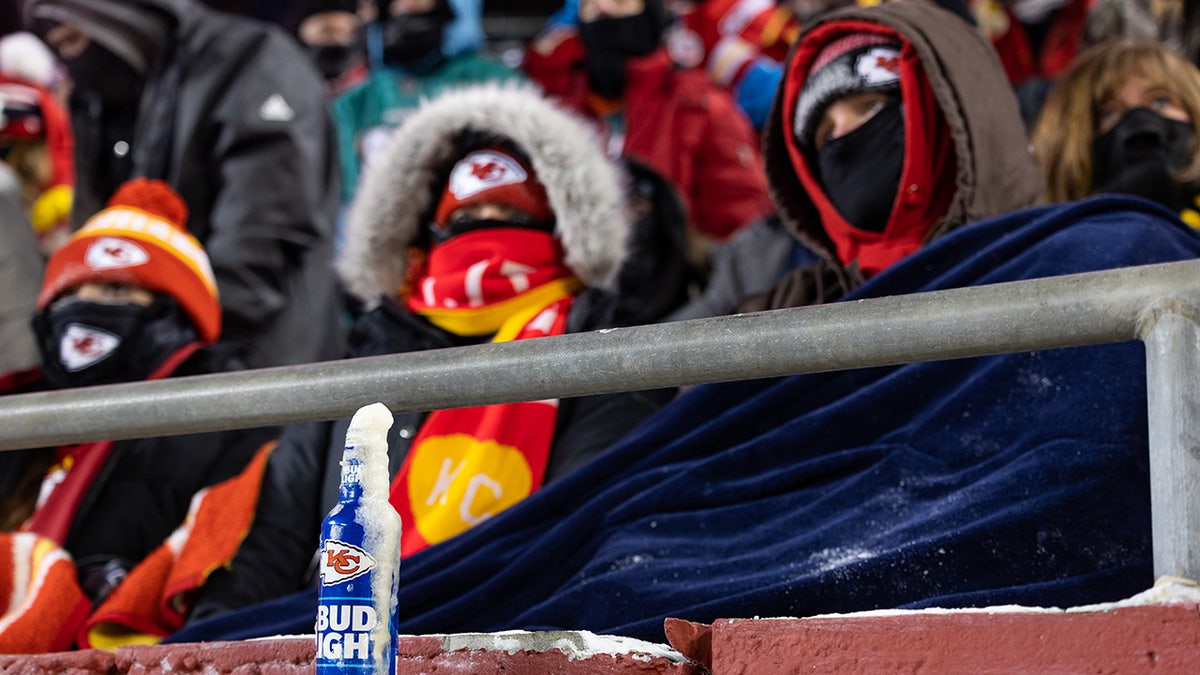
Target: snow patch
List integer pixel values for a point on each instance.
(576, 645)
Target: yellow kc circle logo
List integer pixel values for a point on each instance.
(457, 481)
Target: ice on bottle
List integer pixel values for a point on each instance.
(360, 557)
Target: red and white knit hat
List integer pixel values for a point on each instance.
(495, 176)
(140, 240)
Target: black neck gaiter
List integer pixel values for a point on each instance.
(1141, 156)
(860, 171)
(413, 39)
(609, 42)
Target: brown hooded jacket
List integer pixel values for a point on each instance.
(995, 173)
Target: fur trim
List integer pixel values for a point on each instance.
(584, 187)
(24, 57)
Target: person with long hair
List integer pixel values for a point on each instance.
(1124, 119)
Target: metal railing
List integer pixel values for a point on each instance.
(1156, 304)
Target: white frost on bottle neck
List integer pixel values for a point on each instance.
(381, 524)
(368, 436)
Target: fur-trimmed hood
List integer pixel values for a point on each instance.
(399, 190)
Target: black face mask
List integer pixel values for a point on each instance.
(609, 42)
(860, 171)
(87, 343)
(106, 75)
(335, 60)
(1141, 155)
(412, 38)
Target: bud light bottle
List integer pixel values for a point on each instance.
(360, 557)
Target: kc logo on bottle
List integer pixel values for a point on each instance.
(342, 562)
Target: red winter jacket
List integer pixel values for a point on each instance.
(678, 123)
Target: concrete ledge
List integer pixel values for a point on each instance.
(1158, 629)
(1120, 638)
(565, 652)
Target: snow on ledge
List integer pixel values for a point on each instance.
(576, 645)
(1166, 591)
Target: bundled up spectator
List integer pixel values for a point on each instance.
(334, 33)
(1017, 478)
(742, 43)
(232, 114)
(873, 152)
(413, 58)
(1039, 39)
(1124, 118)
(493, 217)
(614, 69)
(130, 297)
(35, 136)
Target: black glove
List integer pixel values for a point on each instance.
(99, 575)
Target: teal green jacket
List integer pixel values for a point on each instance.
(366, 114)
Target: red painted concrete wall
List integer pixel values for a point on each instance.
(565, 653)
(1122, 638)
(1162, 638)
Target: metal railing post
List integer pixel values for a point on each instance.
(1172, 338)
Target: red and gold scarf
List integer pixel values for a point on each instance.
(468, 464)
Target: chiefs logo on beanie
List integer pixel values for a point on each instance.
(140, 240)
(852, 64)
(493, 176)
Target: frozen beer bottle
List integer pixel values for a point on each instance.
(360, 557)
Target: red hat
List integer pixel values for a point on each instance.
(494, 176)
(140, 240)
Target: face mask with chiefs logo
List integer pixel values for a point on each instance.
(86, 343)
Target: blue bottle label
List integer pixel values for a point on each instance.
(346, 616)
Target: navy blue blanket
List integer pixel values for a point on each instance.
(1009, 479)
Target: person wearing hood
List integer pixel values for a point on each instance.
(1014, 478)
(876, 146)
(493, 217)
(614, 69)
(231, 113)
(130, 297)
(414, 55)
(1124, 118)
(333, 32)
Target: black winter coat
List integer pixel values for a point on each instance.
(235, 118)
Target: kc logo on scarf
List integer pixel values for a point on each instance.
(477, 281)
(468, 464)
